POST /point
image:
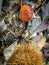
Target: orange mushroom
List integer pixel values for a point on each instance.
(26, 13)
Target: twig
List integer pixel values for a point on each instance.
(12, 32)
(40, 7)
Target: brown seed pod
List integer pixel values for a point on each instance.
(26, 55)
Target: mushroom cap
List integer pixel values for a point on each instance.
(26, 13)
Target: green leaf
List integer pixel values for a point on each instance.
(48, 63)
